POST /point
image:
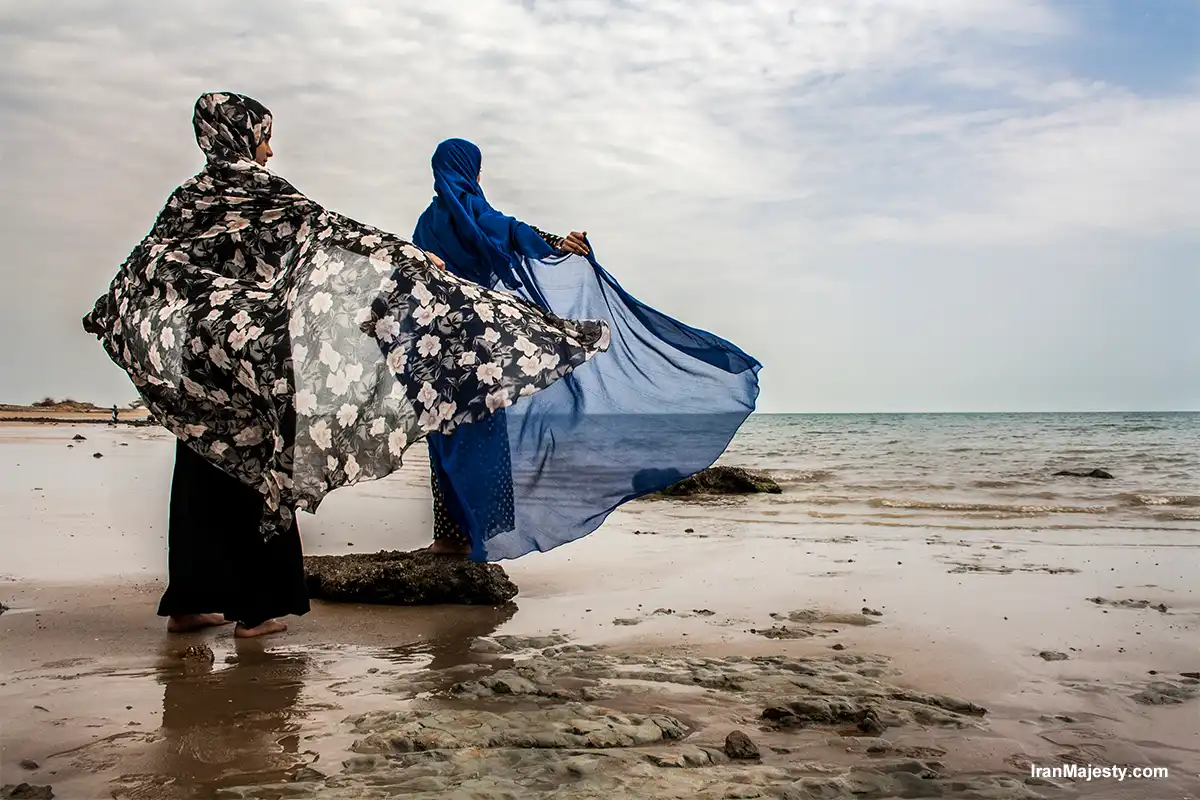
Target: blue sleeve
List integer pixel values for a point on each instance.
(524, 240)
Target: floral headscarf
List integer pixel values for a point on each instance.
(300, 350)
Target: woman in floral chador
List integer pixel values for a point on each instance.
(292, 351)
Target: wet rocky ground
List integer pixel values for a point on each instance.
(548, 718)
(407, 579)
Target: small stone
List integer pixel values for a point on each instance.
(626, 622)
(870, 724)
(741, 747)
(97, 455)
(1053, 655)
(199, 654)
(29, 764)
(1193, 675)
(870, 612)
(79, 437)
(839, 647)
(306, 774)
(689, 530)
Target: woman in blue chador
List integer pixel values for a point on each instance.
(661, 405)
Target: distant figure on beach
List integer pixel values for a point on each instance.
(292, 351)
(663, 403)
(115, 414)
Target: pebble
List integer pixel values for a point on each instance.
(741, 747)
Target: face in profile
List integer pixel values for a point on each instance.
(263, 152)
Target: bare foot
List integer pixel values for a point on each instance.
(265, 629)
(441, 547)
(186, 623)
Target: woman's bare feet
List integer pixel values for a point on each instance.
(263, 629)
(441, 547)
(186, 623)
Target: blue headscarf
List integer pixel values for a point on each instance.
(662, 404)
(460, 226)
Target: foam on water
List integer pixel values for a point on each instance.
(950, 468)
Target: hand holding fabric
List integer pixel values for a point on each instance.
(575, 244)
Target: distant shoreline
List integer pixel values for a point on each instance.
(71, 413)
(137, 423)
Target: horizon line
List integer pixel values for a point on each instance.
(965, 413)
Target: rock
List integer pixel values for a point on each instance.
(199, 652)
(839, 647)
(79, 437)
(29, 764)
(509, 683)
(1102, 601)
(97, 455)
(723, 480)
(569, 726)
(870, 612)
(1098, 474)
(741, 747)
(407, 579)
(1192, 675)
(1053, 655)
(3, 608)
(197, 658)
(784, 632)
(626, 622)
(1166, 693)
(870, 724)
(306, 774)
(25, 791)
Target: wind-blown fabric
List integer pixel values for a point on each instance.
(662, 404)
(299, 350)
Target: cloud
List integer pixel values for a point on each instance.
(738, 163)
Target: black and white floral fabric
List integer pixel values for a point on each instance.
(300, 350)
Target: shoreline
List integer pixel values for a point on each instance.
(673, 596)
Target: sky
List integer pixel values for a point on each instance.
(895, 205)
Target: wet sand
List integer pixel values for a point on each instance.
(98, 696)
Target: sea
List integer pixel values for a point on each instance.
(981, 471)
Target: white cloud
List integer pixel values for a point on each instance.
(712, 149)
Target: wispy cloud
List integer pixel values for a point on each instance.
(741, 164)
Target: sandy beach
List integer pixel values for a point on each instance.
(862, 659)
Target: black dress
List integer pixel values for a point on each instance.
(218, 561)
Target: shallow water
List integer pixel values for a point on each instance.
(983, 470)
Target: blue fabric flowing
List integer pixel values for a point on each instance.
(660, 405)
